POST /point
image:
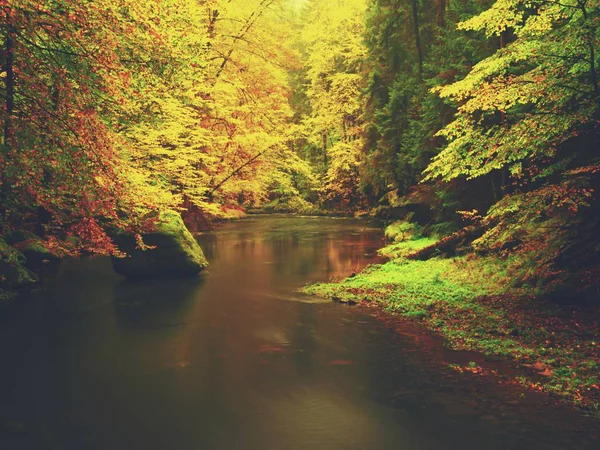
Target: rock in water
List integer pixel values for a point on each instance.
(175, 252)
(13, 273)
(38, 258)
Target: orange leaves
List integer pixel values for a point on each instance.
(72, 85)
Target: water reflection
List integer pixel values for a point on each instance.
(237, 359)
(154, 303)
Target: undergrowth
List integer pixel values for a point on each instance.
(472, 302)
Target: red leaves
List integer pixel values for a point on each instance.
(66, 157)
(340, 362)
(273, 349)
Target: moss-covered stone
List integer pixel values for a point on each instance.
(13, 273)
(173, 252)
(38, 258)
(6, 297)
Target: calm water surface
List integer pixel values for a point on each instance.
(236, 359)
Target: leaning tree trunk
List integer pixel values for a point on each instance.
(9, 86)
(415, 11)
(9, 106)
(441, 13)
(450, 244)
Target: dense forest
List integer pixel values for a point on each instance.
(473, 126)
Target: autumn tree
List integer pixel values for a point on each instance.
(218, 129)
(531, 109)
(65, 85)
(334, 54)
(412, 47)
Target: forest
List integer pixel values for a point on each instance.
(470, 127)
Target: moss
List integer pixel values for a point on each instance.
(38, 258)
(270, 206)
(406, 238)
(471, 302)
(13, 273)
(443, 228)
(6, 297)
(169, 223)
(402, 286)
(403, 249)
(172, 251)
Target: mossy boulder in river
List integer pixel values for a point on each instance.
(13, 273)
(173, 251)
(38, 258)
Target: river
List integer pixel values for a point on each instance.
(237, 359)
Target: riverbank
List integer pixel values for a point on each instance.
(472, 303)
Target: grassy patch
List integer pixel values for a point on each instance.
(403, 231)
(471, 302)
(408, 287)
(403, 249)
(405, 238)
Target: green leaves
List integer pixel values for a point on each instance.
(524, 101)
(332, 37)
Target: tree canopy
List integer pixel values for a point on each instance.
(113, 109)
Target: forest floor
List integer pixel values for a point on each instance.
(471, 303)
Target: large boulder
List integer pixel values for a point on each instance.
(173, 251)
(38, 258)
(13, 273)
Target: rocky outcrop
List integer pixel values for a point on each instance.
(172, 251)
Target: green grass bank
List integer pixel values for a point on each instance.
(473, 303)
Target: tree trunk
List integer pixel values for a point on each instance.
(9, 84)
(213, 16)
(441, 13)
(9, 106)
(591, 33)
(415, 11)
(449, 244)
(325, 150)
(252, 19)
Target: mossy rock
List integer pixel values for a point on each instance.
(13, 273)
(37, 257)
(6, 297)
(174, 251)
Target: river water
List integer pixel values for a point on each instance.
(237, 359)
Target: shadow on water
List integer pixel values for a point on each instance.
(237, 359)
(149, 304)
